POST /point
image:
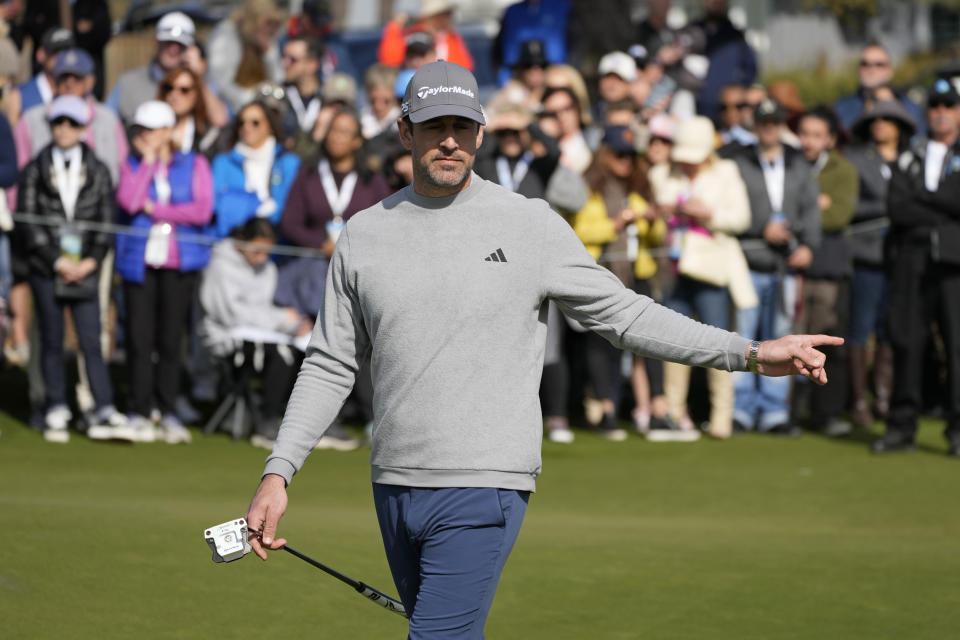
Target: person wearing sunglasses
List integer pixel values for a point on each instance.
(881, 134)
(176, 47)
(875, 71)
(67, 181)
(75, 75)
(254, 178)
(923, 267)
(167, 195)
(183, 90)
(302, 58)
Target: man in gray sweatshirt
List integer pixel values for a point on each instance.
(443, 287)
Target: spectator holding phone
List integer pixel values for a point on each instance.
(167, 195)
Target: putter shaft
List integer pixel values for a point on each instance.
(363, 589)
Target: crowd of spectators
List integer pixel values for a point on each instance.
(185, 223)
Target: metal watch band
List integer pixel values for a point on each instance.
(752, 356)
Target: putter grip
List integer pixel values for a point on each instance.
(382, 599)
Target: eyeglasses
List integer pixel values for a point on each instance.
(730, 106)
(508, 132)
(878, 64)
(252, 122)
(291, 59)
(56, 122)
(184, 90)
(556, 114)
(936, 103)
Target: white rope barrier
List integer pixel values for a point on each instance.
(302, 252)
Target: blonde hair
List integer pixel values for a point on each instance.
(247, 15)
(564, 76)
(379, 75)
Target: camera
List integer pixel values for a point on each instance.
(228, 541)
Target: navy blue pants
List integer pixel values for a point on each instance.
(86, 321)
(447, 549)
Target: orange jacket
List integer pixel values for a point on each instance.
(449, 45)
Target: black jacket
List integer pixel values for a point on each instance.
(534, 183)
(921, 217)
(800, 206)
(867, 247)
(38, 195)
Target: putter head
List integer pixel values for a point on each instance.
(228, 541)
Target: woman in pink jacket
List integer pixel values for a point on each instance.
(168, 196)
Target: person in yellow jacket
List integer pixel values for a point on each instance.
(618, 226)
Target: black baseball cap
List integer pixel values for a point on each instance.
(56, 40)
(769, 110)
(531, 54)
(419, 43)
(943, 93)
(442, 89)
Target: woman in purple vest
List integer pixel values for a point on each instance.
(166, 195)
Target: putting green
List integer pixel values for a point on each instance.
(757, 537)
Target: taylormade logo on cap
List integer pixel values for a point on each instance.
(442, 89)
(432, 91)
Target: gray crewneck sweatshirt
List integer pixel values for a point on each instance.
(447, 298)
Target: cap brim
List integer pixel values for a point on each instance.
(80, 73)
(688, 155)
(186, 41)
(441, 110)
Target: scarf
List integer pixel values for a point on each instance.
(257, 166)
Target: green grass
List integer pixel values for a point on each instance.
(757, 537)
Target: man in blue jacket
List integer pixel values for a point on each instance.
(875, 71)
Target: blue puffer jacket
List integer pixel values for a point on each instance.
(233, 204)
(131, 248)
(543, 21)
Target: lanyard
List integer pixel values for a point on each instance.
(512, 180)
(189, 133)
(67, 181)
(306, 114)
(161, 182)
(337, 198)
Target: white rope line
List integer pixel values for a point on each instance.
(303, 252)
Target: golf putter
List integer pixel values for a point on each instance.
(229, 542)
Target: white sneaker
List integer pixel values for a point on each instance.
(141, 429)
(110, 424)
(174, 432)
(57, 420)
(641, 421)
(561, 436)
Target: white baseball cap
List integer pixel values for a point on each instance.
(176, 27)
(154, 114)
(620, 64)
(694, 140)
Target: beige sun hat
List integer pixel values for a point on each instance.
(693, 141)
(510, 116)
(433, 7)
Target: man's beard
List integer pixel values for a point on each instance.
(428, 171)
